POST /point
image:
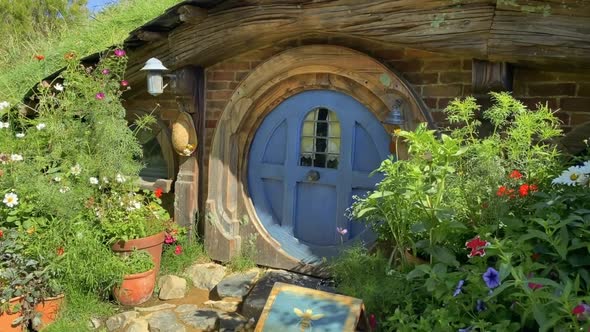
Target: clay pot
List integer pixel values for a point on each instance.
(7, 317)
(151, 244)
(48, 309)
(136, 288)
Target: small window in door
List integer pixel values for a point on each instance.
(320, 139)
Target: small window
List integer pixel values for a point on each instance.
(320, 139)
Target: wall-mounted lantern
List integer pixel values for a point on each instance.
(155, 76)
(393, 124)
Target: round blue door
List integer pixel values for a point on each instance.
(309, 157)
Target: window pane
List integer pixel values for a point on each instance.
(320, 139)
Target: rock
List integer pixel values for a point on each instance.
(163, 306)
(171, 287)
(137, 325)
(120, 320)
(228, 306)
(205, 276)
(232, 322)
(202, 319)
(94, 323)
(164, 321)
(256, 299)
(236, 286)
(186, 308)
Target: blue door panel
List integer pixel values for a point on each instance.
(301, 213)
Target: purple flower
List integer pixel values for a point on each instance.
(100, 96)
(119, 53)
(459, 287)
(341, 231)
(106, 71)
(480, 306)
(124, 83)
(467, 329)
(492, 278)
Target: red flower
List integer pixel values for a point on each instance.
(515, 174)
(40, 57)
(510, 193)
(178, 250)
(534, 286)
(501, 191)
(1, 233)
(158, 192)
(523, 190)
(477, 246)
(169, 239)
(535, 257)
(60, 251)
(578, 310)
(124, 83)
(373, 321)
(533, 187)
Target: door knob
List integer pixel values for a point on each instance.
(312, 176)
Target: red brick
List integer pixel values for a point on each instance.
(519, 89)
(210, 123)
(552, 89)
(421, 78)
(220, 76)
(219, 94)
(575, 104)
(240, 75)
(222, 85)
(406, 66)
(389, 54)
(442, 65)
(467, 64)
(584, 89)
(430, 102)
(233, 85)
(467, 90)
(531, 103)
(565, 118)
(217, 104)
(439, 117)
(530, 75)
(254, 64)
(579, 118)
(455, 77)
(444, 102)
(448, 90)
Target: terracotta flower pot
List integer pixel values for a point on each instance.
(48, 309)
(152, 244)
(136, 288)
(7, 317)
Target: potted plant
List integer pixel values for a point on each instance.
(139, 280)
(133, 220)
(24, 284)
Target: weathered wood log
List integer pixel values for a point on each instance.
(473, 28)
(150, 36)
(191, 14)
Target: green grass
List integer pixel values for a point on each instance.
(21, 71)
(77, 311)
(176, 264)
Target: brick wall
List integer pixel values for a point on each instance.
(567, 92)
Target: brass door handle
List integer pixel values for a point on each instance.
(312, 176)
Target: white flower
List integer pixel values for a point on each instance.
(16, 157)
(41, 126)
(585, 168)
(105, 179)
(133, 205)
(58, 87)
(4, 105)
(57, 179)
(64, 189)
(20, 135)
(4, 124)
(10, 199)
(187, 152)
(93, 180)
(573, 176)
(76, 170)
(120, 178)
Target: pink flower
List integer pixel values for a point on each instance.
(373, 321)
(119, 53)
(534, 286)
(477, 246)
(100, 96)
(169, 239)
(341, 231)
(178, 250)
(105, 71)
(124, 83)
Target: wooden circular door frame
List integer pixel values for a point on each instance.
(230, 215)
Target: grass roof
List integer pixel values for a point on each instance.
(20, 70)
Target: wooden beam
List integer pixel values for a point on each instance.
(191, 14)
(150, 36)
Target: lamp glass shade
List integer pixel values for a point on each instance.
(155, 83)
(395, 117)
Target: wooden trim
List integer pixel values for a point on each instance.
(295, 70)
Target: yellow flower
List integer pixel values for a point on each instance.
(397, 131)
(31, 230)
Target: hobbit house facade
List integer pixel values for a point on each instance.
(287, 101)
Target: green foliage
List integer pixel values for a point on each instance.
(173, 263)
(137, 262)
(246, 258)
